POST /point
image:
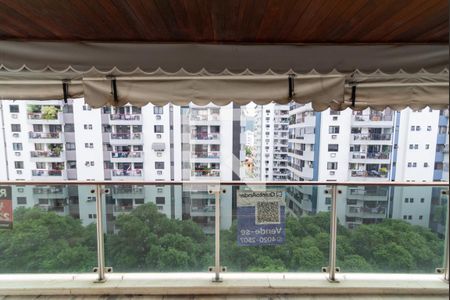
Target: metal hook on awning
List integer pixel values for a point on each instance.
(114, 90)
(291, 86)
(65, 86)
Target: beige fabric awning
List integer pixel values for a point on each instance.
(322, 75)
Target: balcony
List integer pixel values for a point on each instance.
(371, 138)
(204, 156)
(125, 156)
(45, 137)
(363, 175)
(126, 138)
(203, 136)
(42, 155)
(372, 120)
(205, 173)
(47, 173)
(127, 173)
(119, 119)
(129, 229)
(44, 118)
(369, 157)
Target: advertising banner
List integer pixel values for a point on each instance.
(6, 212)
(261, 218)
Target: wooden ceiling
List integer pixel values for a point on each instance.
(227, 21)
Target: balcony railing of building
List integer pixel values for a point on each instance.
(372, 137)
(127, 173)
(42, 116)
(126, 136)
(282, 227)
(44, 135)
(125, 117)
(211, 154)
(205, 136)
(370, 173)
(45, 153)
(46, 172)
(373, 117)
(126, 154)
(370, 155)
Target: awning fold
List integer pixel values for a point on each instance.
(392, 76)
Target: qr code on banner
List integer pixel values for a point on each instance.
(268, 212)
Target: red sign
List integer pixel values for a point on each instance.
(6, 212)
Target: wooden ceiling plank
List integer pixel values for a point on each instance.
(429, 15)
(290, 28)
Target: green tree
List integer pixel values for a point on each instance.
(45, 242)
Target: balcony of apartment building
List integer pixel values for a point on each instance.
(202, 204)
(127, 154)
(46, 134)
(125, 115)
(205, 153)
(125, 138)
(369, 193)
(127, 171)
(372, 155)
(56, 205)
(206, 170)
(127, 191)
(370, 138)
(205, 134)
(372, 118)
(44, 114)
(49, 170)
(203, 116)
(366, 171)
(49, 191)
(48, 152)
(302, 169)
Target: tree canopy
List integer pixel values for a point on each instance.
(145, 240)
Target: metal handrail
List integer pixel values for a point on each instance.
(237, 183)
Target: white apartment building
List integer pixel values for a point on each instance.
(366, 146)
(271, 142)
(56, 141)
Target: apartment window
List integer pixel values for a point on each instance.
(409, 217)
(425, 165)
(108, 165)
(22, 200)
(160, 200)
(106, 128)
(38, 128)
(159, 165)
(158, 110)
(413, 128)
(333, 129)
(43, 201)
(17, 146)
(409, 165)
(159, 173)
(40, 165)
(420, 217)
(335, 118)
(88, 126)
(428, 128)
(411, 200)
(89, 145)
(414, 164)
(68, 109)
(422, 200)
(86, 107)
(70, 146)
(417, 128)
(18, 164)
(139, 201)
(416, 146)
(427, 146)
(333, 147)
(15, 127)
(405, 217)
(89, 163)
(69, 127)
(14, 108)
(159, 190)
(334, 112)
(406, 200)
(411, 146)
(159, 128)
(332, 166)
(92, 216)
(106, 110)
(71, 164)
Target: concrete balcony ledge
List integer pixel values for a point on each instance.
(403, 286)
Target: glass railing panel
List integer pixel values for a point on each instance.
(47, 228)
(159, 228)
(390, 229)
(273, 229)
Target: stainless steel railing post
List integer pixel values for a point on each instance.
(100, 232)
(217, 266)
(446, 251)
(333, 234)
